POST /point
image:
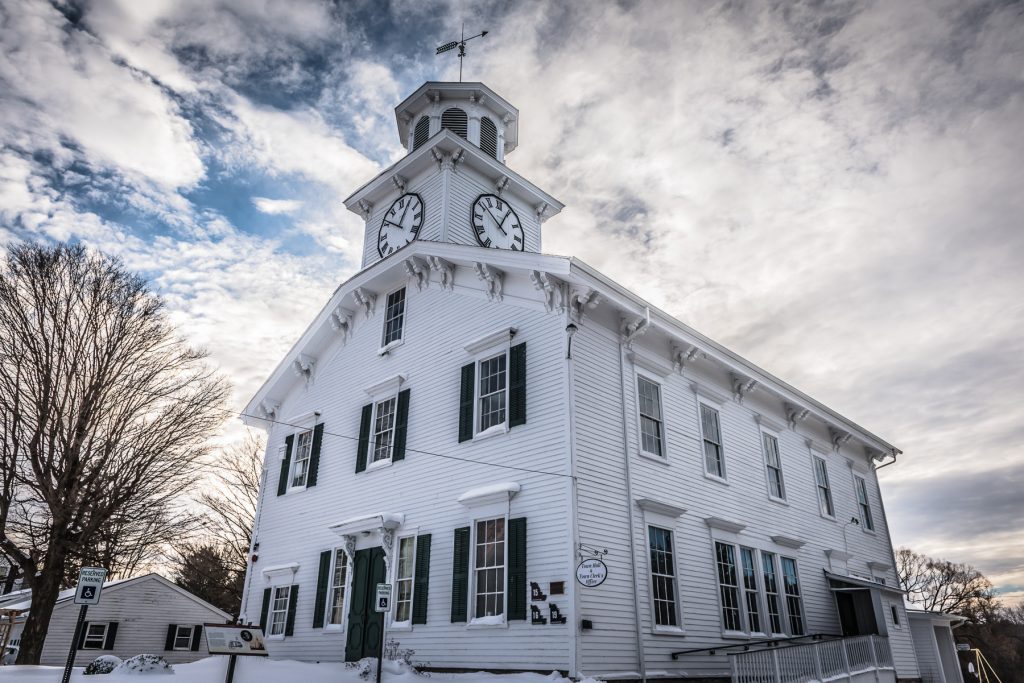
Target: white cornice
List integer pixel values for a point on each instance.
(724, 525)
(768, 423)
(788, 541)
(502, 336)
(387, 386)
(708, 394)
(657, 507)
(649, 364)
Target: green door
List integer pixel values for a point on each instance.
(364, 623)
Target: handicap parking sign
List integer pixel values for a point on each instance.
(90, 584)
(383, 597)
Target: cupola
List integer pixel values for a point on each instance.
(472, 111)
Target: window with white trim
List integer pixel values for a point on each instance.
(751, 593)
(279, 610)
(714, 460)
(95, 636)
(794, 601)
(663, 576)
(773, 467)
(492, 392)
(300, 461)
(895, 615)
(770, 574)
(649, 400)
(824, 489)
(404, 579)
(728, 586)
(863, 505)
(489, 568)
(383, 429)
(394, 317)
(183, 637)
(339, 582)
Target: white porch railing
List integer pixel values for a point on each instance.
(828, 660)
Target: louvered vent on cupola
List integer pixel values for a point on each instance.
(489, 137)
(454, 119)
(421, 132)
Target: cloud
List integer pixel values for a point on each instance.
(277, 206)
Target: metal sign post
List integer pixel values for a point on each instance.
(87, 592)
(382, 605)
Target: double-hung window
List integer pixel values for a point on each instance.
(794, 603)
(714, 460)
(339, 581)
(383, 429)
(404, 579)
(773, 467)
(663, 576)
(300, 461)
(649, 399)
(489, 569)
(279, 610)
(824, 489)
(492, 392)
(754, 597)
(394, 317)
(95, 636)
(728, 586)
(773, 600)
(183, 637)
(863, 504)
(751, 594)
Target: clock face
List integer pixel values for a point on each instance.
(496, 224)
(401, 224)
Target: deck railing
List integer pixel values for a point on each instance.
(827, 660)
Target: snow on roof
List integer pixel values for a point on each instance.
(388, 520)
(490, 490)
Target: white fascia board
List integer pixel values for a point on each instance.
(319, 333)
(448, 142)
(669, 325)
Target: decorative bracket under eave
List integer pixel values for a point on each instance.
(580, 300)
(742, 385)
(418, 271)
(795, 413)
(542, 210)
(500, 184)
(269, 409)
(681, 356)
(876, 454)
(366, 299)
(448, 162)
(631, 329)
(445, 269)
(493, 278)
(400, 182)
(341, 320)
(553, 289)
(838, 437)
(303, 365)
(365, 208)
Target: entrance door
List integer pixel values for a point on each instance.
(856, 612)
(364, 623)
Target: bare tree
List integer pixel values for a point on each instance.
(944, 586)
(104, 413)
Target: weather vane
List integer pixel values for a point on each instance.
(461, 44)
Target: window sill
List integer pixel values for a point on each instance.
(829, 518)
(780, 501)
(736, 635)
(668, 631)
(491, 431)
(484, 622)
(661, 459)
(868, 531)
(380, 464)
(294, 489)
(717, 479)
(333, 628)
(400, 626)
(387, 348)
(277, 637)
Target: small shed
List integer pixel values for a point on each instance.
(934, 644)
(145, 614)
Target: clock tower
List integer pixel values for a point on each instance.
(453, 185)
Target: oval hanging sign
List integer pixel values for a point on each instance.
(591, 573)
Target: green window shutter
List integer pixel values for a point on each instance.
(517, 386)
(108, 642)
(314, 455)
(422, 580)
(466, 402)
(364, 437)
(293, 601)
(282, 483)
(401, 425)
(320, 605)
(172, 629)
(460, 575)
(517, 568)
(197, 638)
(264, 610)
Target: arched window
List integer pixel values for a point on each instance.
(421, 132)
(454, 119)
(489, 137)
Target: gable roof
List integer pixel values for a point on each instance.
(416, 259)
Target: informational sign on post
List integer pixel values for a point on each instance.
(383, 603)
(234, 639)
(90, 584)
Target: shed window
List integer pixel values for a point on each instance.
(454, 119)
(421, 132)
(95, 636)
(489, 137)
(182, 637)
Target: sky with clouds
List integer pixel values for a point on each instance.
(834, 190)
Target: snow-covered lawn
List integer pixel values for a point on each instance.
(260, 670)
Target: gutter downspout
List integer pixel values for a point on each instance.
(570, 376)
(629, 510)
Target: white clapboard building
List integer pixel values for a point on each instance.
(469, 419)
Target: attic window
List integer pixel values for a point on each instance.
(454, 119)
(489, 137)
(421, 132)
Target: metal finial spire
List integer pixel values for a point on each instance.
(461, 44)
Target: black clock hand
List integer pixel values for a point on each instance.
(496, 222)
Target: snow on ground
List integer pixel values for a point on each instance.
(260, 670)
